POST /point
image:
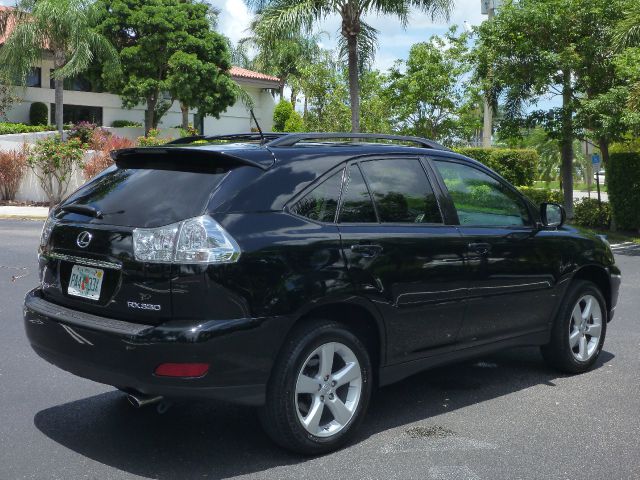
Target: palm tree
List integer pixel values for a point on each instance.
(61, 27)
(281, 57)
(277, 18)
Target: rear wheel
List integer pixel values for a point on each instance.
(319, 389)
(579, 330)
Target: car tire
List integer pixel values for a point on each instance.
(308, 410)
(571, 348)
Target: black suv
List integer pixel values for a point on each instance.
(296, 271)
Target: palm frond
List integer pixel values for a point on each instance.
(367, 46)
(628, 31)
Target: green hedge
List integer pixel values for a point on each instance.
(7, 128)
(38, 114)
(125, 123)
(542, 195)
(588, 213)
(517, 166)
(623, 176)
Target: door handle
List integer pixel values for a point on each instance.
(367, 250)
(480, 248)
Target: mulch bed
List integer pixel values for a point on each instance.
(14, 203)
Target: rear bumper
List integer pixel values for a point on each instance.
(240, 352)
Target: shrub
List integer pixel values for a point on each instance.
(294, 123)
(516, 166)
(52, 162)
(38, 114)
(125, 123)
(281, 114)
(102, 159)
(7, 128)
(542, 195)
(83, 131)
(99, 138)
(623, 176)
(152, 139)
(13, 164)
(588, 213)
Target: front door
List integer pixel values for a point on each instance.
(401, 255)
(512, 272)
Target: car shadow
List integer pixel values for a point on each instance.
(213, 440)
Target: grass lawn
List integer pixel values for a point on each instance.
(555, 185)
(617, 237)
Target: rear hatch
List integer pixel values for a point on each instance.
(88, 262)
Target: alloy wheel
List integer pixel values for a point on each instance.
(585, 328)
(328, 389)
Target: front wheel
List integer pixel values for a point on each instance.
(319, 389)
(579, 329)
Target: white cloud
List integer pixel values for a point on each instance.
(234, 18)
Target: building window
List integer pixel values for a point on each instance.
(76, 84)
(34, 77)
(78, 113)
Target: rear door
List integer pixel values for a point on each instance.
(512, 269)
(88, 262)
(401, 255)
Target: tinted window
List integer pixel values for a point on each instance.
(401, 191)
(139, 197)
(322, 202)
(356, 201)
(480, 199)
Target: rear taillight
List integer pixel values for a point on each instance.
(196, 240)
(47, 228)
(184, 370)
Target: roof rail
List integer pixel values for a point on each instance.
(289, 140)
(234, 136)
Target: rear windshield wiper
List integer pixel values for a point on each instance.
(82, 209)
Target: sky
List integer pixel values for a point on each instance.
(394, 40)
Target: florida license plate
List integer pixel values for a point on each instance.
(85, 282)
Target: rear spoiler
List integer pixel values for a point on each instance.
(190, 158)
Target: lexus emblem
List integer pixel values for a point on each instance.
(84, 239)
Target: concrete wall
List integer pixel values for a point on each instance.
(30, 190)
(235, 120)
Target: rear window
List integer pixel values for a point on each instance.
(143, 197)
(322, 202)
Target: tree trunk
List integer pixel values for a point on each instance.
(566, 144)
(603, 143)
(294, 97)
(150, 114)
(306, 108)
(281, 90)
(350, 31)
(58, 62)
(185, 115)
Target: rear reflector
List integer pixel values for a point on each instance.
(184, 370)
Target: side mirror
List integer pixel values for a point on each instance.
(552, 215)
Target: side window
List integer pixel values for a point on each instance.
(356, 201)
(321, 203)
(401, 191)
(481, 200)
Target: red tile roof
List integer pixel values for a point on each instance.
(244, 73)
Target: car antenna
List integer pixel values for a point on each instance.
(253, 115)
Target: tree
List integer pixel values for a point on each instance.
(167, 51)
(281, 57)
(537, 48)
(60, 26)
(278, 18)
(428, 90)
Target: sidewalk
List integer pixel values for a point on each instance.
(578, 194)
(32, 213)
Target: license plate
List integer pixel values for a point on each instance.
(85, 282)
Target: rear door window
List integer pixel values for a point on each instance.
(321, 204)
(401, 191)
(357, 206)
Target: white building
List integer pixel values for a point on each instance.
(81, 103)
(105, 108)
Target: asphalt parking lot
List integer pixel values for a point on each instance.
(506, 416)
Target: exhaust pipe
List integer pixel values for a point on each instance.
(141, 400)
